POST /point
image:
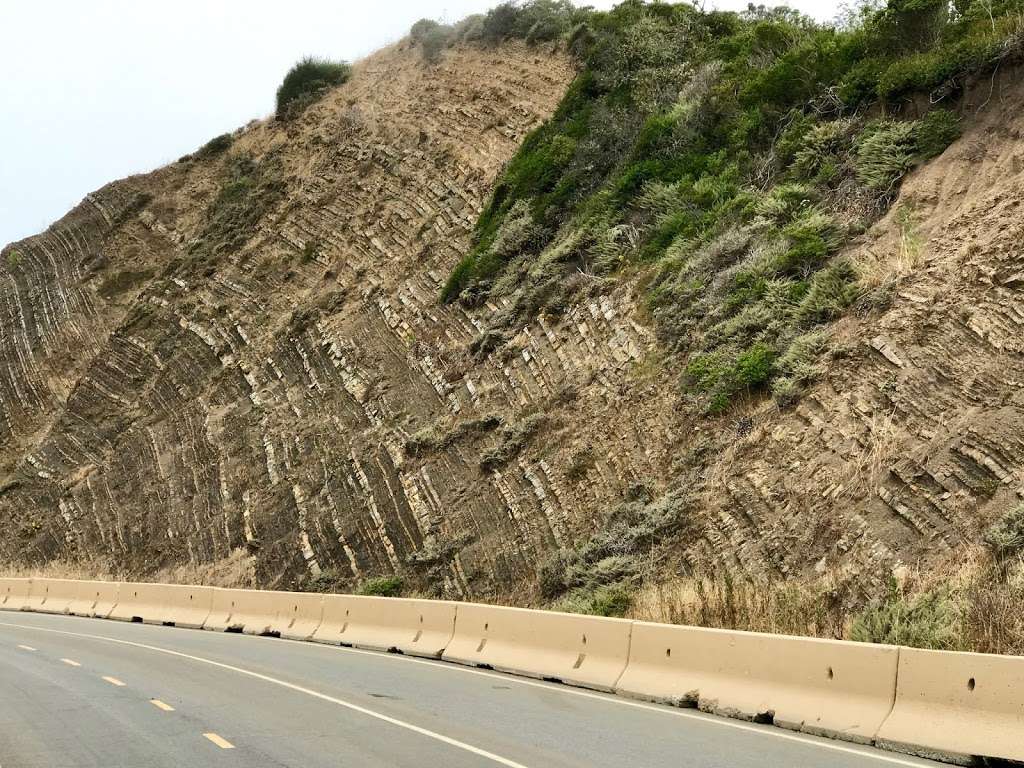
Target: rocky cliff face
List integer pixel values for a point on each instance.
(246, 350)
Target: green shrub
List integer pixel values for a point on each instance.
(382, 586)
(930, 620)
(936, 131)
(470, 29)
(798, 361)
(434, 42)
(614, 600)
(499, 23)
(1006, 536)
(307, 81)
(421, 29)
(786, 392)
(218, 145)
(822, 143)
(830, 293)
(723, 374)
(885, 152)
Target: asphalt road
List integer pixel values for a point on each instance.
(86, 693)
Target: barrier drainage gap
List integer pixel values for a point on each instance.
(271, 633)
(235, 629)
(136, 619)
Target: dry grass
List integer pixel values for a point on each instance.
(880, 447)
(237, 570)
(904, 255)
(749, 604)
(90, 571)
(984, 596)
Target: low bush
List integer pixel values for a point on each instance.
(514, 438)
(601, 572)
(929, 620)
(419, 31)
(307, 81)
(249, 190)
(430, 438)
(218, 145)
(936, 131)
(885, 152)
(434, 42)
(383, 586)
(614, 600)
(1006, 536)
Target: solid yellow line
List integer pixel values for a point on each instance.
(161, 705)
(113, 681)
(220, 742)
(27, 648)
(71, 663)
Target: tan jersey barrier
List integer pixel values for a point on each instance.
(180, 605)
(52, 595)
(293, 615)
(413, 627)
(965, 703)
(14, 593)
(94, 598)
(820, 686)
(578, 650)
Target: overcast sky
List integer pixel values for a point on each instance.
(94, 90)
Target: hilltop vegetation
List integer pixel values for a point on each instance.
(307, 81)
(729, 156)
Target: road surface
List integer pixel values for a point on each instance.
(87, 693)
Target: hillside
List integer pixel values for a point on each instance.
(369, 340)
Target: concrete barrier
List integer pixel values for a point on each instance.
(293, 615)
(94, 598)
(588, 651)
(828, 687)
(181, 606)
(51, 595)
(960, 703)
(14, 593)
(413, 627)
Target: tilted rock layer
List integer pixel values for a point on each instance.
(169, 397)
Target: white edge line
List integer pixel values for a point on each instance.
(822, 742)
(778, 732)
(299, 689)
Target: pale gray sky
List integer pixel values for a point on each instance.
(94, 90)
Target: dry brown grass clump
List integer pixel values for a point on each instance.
(971, 605)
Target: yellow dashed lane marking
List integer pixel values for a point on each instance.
(161, 705)
(71, 662)
(27, 648)
(113, 681)
(219, 741)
